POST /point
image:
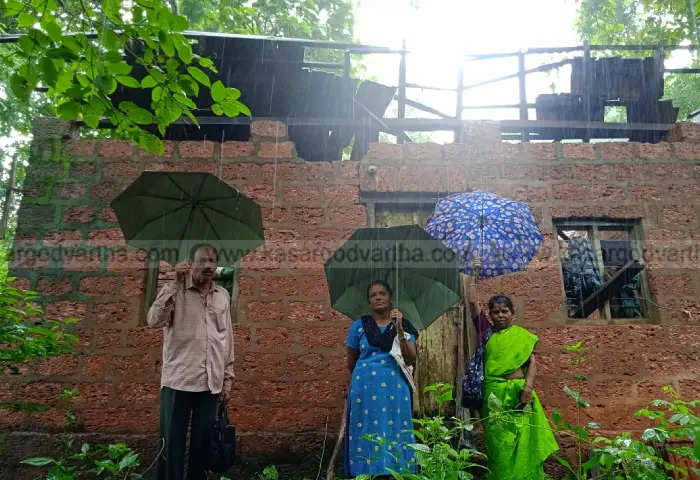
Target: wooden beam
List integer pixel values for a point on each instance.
(593, 301)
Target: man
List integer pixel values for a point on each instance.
(197, 360)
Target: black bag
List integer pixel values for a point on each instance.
(473, 381)
(221, 442)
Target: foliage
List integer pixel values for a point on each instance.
(23, 338)
(436, 451)
(650, 22)
(80, 72)
(108, 462)
(624, 457)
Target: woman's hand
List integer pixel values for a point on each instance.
(526, 395)
(397, 317)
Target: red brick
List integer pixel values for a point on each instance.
(80, 148)
(33, 218)
(600, 210)
(242, 171)
(143, 394)
(570, 192)
(63, 238)
(302, 195)
(263, 312)
(144, 338)
(60, 366)
(248, 286)
(237, 149)
(278, 287)
(105, 238)
(665, 234)
(21, 283)
(116, 148)
(644, 193)
(293, 216)
(196, 149)
(592, 172)
(540, 151)
(122, 170)
(384, 179)
(422, 152)
(82, 169)
(687, 193)
(530, 173)
(346, 171)
(662, 284)
(421, 179)
(261, 193)
(114, 314)
(95, 394)
(64, 309)
(326, 337)
(684, 132)
(687, 151)
(268, 128)
(169, 147)
(617, 150)
(52, 286)
(106, 338)
(677, 215)
(281, 172)
(80, 214)
(105, 191)
(342, 194)
(655, 150)
(134, 285)
(29, 259)
(583, 151)
(208, 166)
(276, 150)
(348, 216)
(383, 151)
(272, 339)
(314, 286)
(109, 215)
(81, 261)
(523, 194)
(71, 191)
(102, 285)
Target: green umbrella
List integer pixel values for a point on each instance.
(169, 212)
(422, 271)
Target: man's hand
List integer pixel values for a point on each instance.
(526, 395)
(225, 394)
(181, 272)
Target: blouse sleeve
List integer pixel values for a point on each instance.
(412, 338)
(354, 335)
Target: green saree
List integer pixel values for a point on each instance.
(517, 443)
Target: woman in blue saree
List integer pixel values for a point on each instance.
(379, 397)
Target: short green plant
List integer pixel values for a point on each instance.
(68, 398)
(437, 454)
(107, 462)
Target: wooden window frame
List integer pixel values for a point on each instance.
(635, 230)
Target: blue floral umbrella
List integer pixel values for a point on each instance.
(492, 235)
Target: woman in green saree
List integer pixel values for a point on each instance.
(518, 435)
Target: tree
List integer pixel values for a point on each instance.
(654, 22)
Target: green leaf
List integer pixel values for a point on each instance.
(69, 110)
(128, 81)
(156, 94)
(148, 82)
(157, 75)
(244, 109)
(13, 8)
(151, 143)
(136, 114)
(218, 91)
(184, 50)
(231, 110)
(166, 43)
(110, 40)
(48, 71)
(593, 425)
(38, 461)
(199, 75)
(179, 23)
(216, 109)
(562, 461)
(184, 100)
(106, 84)
(557, 417)
(26, 20)
(118, 68)
(233, 93)
(53, 31)
(576, 396)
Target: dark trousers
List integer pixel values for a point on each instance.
(176, 409)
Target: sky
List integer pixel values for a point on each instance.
(440, 33)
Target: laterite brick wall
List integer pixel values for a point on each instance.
(290, 362)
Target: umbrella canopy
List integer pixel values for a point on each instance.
(498, 232)
(422, 272)
(170, 212)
